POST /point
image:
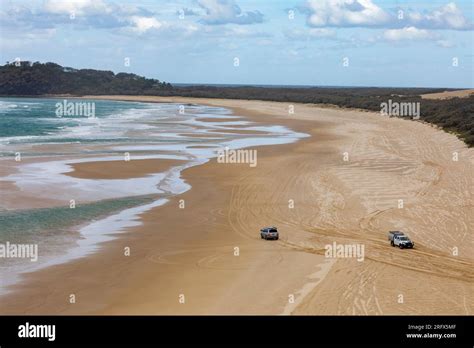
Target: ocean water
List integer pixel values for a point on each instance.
(50, 144)
(33, 119)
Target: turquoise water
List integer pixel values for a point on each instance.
(31, 121)
(37, 117)
(26, 122)
(50, 230)
(34, 225)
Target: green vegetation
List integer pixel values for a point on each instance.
(454, 115)
(50, 78)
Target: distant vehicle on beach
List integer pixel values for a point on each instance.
(399, 239)
(269, 233)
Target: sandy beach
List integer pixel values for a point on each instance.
(465, 93)
(342, 184)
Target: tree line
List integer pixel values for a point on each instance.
(26, 78)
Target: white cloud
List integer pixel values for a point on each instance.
(321, 33)
(143, 24)
(227, 11)
(345, 13)
(79, 7)
(313, 33)
(186, 12)
(445, 43)
(240, 32)
(94, 13)
(408, 33)
(365, 13)
(16, 40)
(446, 17)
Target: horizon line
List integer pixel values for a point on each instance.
(305, 86)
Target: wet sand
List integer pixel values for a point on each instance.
(121, 169)
(208, 258)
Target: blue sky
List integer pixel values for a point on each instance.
(423, 43)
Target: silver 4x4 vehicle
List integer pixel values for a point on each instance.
(400, 240)
(269, 233)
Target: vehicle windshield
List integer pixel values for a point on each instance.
(403, 238)
(273, 230)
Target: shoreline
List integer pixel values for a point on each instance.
(199, 262)
(163, 170)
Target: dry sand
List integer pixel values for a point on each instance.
(192, 251)
(464, 93)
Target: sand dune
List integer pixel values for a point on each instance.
(451, 94)
(191, 251)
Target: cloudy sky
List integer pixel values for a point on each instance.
(419, 43)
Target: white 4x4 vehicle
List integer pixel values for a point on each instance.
(400, 240)
(269, 233)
